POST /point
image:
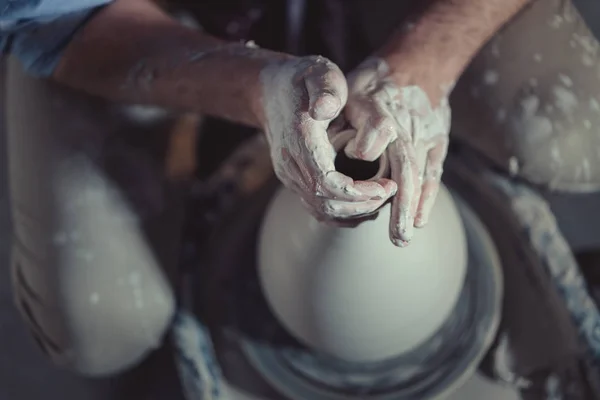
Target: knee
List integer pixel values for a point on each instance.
(110, 341)
(95, 333)
(532, 105)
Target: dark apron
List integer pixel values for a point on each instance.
(346, 31)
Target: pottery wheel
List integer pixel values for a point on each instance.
(258, 355)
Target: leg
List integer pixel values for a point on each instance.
(85, 275)
(530, 101)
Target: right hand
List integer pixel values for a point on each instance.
(301, 97)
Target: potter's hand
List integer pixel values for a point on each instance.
(398, 114)
(300, 98)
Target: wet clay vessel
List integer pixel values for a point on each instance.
(349, 292)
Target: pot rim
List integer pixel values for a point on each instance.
(341, 139)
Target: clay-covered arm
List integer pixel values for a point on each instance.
(398, 99)
(444, 38)
(132, 51)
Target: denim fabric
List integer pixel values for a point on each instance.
(37, 31)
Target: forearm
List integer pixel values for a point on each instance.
(448, 34)
(133, 52)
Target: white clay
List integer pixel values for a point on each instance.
(350, 292)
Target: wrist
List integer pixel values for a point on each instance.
(435, 76)
(424, 53)
(274, 85)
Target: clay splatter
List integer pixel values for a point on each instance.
(529, 124)
(564, 99)
(556, 21)
(565, 80)
(491, 77)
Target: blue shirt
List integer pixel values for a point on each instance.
(38, 31)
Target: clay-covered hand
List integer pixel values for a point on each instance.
(301, 97)
(412, 122)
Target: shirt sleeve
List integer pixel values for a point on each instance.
(38, 31)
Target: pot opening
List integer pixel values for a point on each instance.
(356, 169)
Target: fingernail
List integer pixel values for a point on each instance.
(408, 233)
(365, 153)
(420, 221)
(423, 214)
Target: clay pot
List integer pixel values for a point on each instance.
(349, 292)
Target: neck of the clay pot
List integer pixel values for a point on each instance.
(358, 170)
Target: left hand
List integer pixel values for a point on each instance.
(409, 116)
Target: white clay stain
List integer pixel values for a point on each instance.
(587, 60)
(491, 77)
(528, 123)
(555, 154)
(556, 21)
(564, 99)
(566, 80)
(513, 166)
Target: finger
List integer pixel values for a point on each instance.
(316, 164)
(431, 182)
(405, 172)
(422, 153)
(327, 90)
(318, 168)
(320, 208)
(346, 210)
(341, 187)
(376, 129)
(352, 222)
(373, 187)
(337, 222)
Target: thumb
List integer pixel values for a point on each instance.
(327, 91)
